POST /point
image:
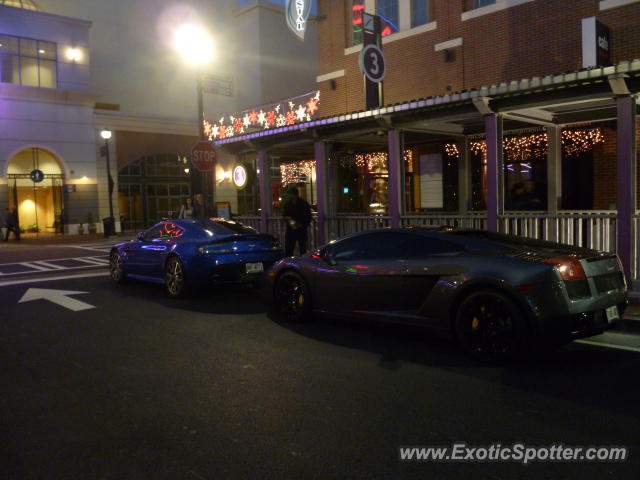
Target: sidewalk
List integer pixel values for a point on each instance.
(58, 239)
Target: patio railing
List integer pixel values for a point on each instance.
(594, 229)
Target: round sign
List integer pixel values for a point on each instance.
(240, 176)
(372, 63)
(36, 176)
(203, 156)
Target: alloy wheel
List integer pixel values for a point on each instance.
(115, 267)
(174, 277)
(291, 297)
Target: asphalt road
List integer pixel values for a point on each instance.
(136, 385)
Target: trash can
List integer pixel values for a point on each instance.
(108, 226)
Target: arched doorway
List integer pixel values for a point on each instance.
(40, 199)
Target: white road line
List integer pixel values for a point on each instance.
(49, 260)
(50, 266)
(50, 279)
(609, 345)
(93, 260)
(33, 266)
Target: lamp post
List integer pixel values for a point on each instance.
(195, 46)
(108, 226)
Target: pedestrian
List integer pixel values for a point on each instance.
(200, 208)
(186, 210)
(11, 224)
(297, 216)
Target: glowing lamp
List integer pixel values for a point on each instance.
(106, 134)
(194, 44)
(74, 54)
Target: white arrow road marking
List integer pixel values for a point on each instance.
(59, 297)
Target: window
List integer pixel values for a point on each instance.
(25, 61)
(419, 246)
(354, 22)
(380, 245)
(162, 231)
(419, 12)
(388, 12)
(482, 3)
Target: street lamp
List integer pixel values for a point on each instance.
(108, 226)
(195, 46)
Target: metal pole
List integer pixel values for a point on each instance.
(396, 177)
(110, 188)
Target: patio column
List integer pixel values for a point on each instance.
(464, 177)
(265, 191)
(495, 176)
(554, 179)
(396, 177)
(320, 149)
(626, 172)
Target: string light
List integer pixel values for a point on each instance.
(380, 160)
(293, 172)
(523, 148)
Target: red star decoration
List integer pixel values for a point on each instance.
(237, 125)
(290, 117)
(253, 117)
(271, 118)
(312, 106)
(222, 131)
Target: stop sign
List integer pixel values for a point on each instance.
(203, 156)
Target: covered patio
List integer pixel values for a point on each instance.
(534, 139)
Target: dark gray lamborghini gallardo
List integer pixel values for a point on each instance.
(498, 294)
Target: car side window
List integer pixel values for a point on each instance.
(163, 230)
(379, 245)
(418, 246)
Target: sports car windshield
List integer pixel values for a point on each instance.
(225, 227)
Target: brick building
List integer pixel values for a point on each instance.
(512, 115)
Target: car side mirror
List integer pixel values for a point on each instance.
(324, 254)
(140, 235)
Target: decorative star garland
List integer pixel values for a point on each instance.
(289, 112)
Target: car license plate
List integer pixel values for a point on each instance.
(254, 267)
(612, 313)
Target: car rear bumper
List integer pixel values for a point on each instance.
(573, 326)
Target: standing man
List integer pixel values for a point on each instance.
(297, 216)
(11, 222)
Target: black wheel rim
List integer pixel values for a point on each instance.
(115, 266)
(290, 296)
(487, 325)
(174, 277)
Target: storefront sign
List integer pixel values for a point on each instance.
(297, 13)
(372, 63)
(36, 176)
(203, 156)
(240, 176)
(596, 43)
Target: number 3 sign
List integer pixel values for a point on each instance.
(372, 63)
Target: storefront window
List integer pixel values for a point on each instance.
(431, 178)
(287, 173)
(151, 189)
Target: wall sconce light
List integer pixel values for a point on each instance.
(74, 54)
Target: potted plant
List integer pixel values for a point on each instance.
(34, 228)
(80, 226)
(90, 224)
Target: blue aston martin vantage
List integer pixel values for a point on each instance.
(183, 254)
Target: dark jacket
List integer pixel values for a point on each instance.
(298, 210)
(10, 220)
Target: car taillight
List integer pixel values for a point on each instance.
(569, 268)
